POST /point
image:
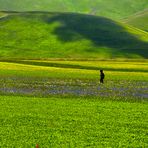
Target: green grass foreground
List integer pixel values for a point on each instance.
(72, 122)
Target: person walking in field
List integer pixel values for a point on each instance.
(102, 75)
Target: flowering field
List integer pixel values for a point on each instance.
(74, 78)
(62, 104)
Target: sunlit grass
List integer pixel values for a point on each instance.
(142, 35)
(139, 20)
(1, 14)
(74, 109)
(107, 65)
(72, 122)
(113, 70)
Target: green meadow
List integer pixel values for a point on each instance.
(116, 70)
(1, 14)
(112, 9)
(72, 122)
(42, 35)
(138, 20)
(50, 62)
(60, 103)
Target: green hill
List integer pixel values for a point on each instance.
(1, 14)
(68, 35)
(109, 8)
(139, 20)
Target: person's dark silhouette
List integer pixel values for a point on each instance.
(102, 75)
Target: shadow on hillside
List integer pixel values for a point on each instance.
(73, 66)
(101, 31)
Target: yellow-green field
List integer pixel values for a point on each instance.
(76, 69)
(74, 78)
(62, 104)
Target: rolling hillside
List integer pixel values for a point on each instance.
(68, 35)
(139, 20)
(1, 14)
(114, 9)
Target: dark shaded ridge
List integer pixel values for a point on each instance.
(101, 31)
(62, 65)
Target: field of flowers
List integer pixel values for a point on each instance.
(74, 78)
(62, 104)
(48, 87)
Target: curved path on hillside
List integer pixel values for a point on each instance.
(5, 15)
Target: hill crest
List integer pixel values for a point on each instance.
(114, 9)
(69, 35)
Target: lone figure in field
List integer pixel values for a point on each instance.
(101, 76)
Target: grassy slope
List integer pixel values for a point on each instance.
(1, 14)
(46, 35)
(72, 122)
(109, 8)
(82, 70)
(139, 20)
